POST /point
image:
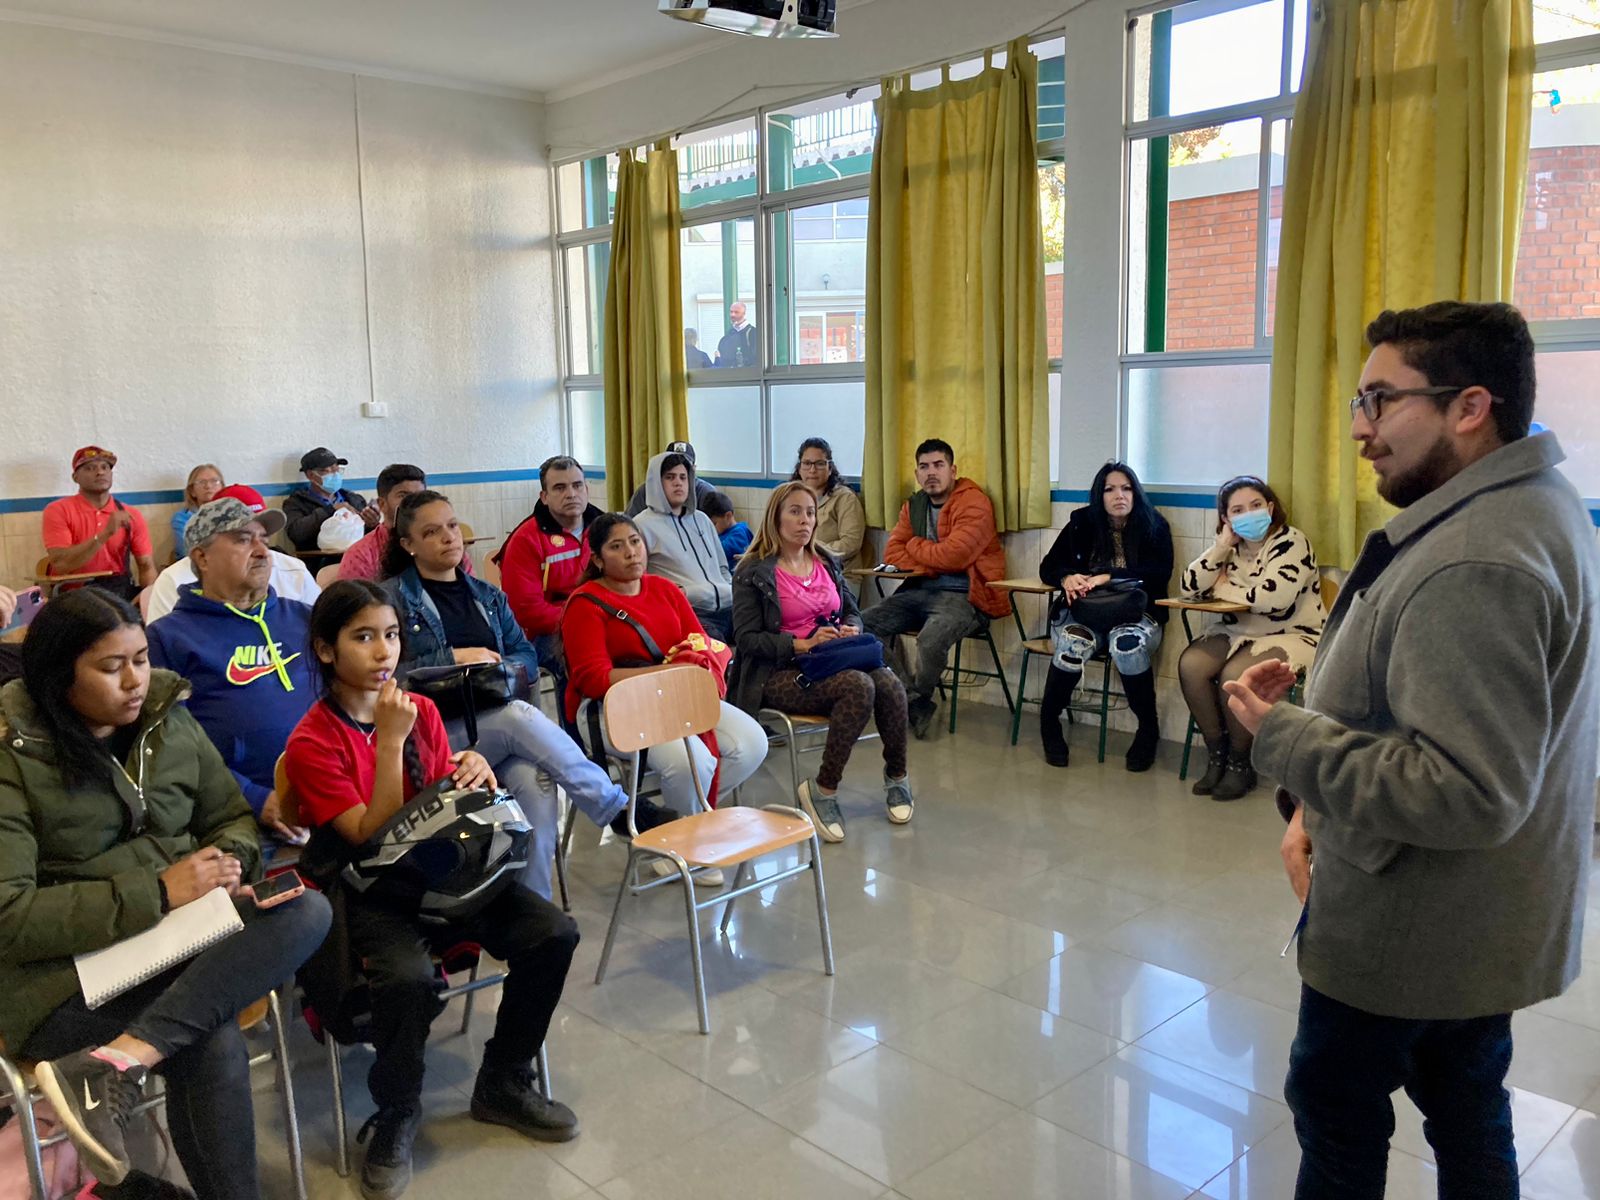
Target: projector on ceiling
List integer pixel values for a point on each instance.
(760, 18)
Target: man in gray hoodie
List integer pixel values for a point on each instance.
(683, 544)
(1441, 773)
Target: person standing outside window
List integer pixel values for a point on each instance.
(738, 346)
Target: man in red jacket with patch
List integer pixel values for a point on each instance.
(543, 560)
(946, 533)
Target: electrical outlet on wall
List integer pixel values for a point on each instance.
(374, 408)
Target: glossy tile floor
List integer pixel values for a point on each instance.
(1053, 983)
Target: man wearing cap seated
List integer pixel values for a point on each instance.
(94, 532)
(324, 494)
(243, 648)
(290, 577)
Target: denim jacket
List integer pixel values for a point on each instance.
(426, 644)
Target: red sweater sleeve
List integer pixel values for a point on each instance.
(523, 583)
(678, 602)
(583, 636)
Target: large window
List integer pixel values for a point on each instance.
(1211, 88)
(774, 275)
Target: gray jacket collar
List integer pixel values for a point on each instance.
(1510, 464)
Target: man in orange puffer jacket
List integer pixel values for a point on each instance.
(947, 533)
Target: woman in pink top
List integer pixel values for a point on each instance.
(789, 596)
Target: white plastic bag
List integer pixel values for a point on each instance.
(341, 531)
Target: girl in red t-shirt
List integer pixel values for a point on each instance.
(356, 758)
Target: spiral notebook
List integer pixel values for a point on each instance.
(177, 937)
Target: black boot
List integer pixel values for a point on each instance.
(1058, 688)
(1239, 779)
(512, 1098)
(387, 1170)
(1216, 766)
(1141, 692)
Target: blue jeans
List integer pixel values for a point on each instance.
(529, 754)
(1344, 1066)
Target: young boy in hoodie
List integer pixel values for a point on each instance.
(734, 533)
(683, 544)
(242, 648)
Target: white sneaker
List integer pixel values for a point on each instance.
(710, 877)
(823, 811)
(897, 795)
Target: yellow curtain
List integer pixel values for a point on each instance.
(1405, 186)
(955, 291)
(647, 403)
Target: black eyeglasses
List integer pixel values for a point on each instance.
(1373, 401)
(816, 464)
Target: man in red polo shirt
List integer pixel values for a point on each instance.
(94, 532)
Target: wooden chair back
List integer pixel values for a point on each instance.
(288, 798)
(328, 576)
(660, 707)
(1332, 579)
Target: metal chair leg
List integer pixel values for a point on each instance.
(1022, 698)
(999, 667)
(616, 914)
(545, 1087)
(955, 685)
(822, 905)
(1105, 705)
(22, 1101)
(340, 1133)
(738, 882)
(280, 1040)
(561, 859)
(1188, 742)
(794, 756)
(469, 998)
(694, 950)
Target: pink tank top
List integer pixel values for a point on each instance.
(805, 603)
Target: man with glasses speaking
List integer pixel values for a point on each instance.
(1440, 776)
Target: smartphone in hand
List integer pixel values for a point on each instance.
(278, 889)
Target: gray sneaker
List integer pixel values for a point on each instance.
(823, 811)
(897, 795)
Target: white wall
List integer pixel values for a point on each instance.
(182, 272)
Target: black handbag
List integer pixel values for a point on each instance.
(462, 690)
(1120, 602)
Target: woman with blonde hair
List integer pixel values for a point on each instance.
(789, 597)
(201, 488)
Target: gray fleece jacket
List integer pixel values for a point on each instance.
(684, 549)
(1446, 752)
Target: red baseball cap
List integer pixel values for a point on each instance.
(246, 496)
(86, 453)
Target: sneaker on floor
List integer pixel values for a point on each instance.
(709, 877)
(919, 716)
(94, 1092)
(512, 1098)
(823, 811)
(897, 795)
(387, 1169)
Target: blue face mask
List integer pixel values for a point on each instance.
(1252, 526)
(333, 482)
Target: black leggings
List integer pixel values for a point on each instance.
(1203, 667)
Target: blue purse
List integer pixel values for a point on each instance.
(863, 652)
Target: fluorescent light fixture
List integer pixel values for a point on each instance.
(759, 18)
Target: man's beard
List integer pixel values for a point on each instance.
(1437, 467)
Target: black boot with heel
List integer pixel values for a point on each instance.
(1058, 689)
(1216, 766)
(1141, 693)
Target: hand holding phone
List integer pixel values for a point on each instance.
(277, 889)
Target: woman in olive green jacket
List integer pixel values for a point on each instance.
(115, 808)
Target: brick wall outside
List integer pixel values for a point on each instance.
(1558, 260)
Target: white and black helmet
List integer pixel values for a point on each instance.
(446, 854)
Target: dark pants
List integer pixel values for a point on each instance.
(530, 935)
(938, 617)
(1344, 1066)
(190, 1015)
(849, 700)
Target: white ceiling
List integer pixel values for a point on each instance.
(532, 46)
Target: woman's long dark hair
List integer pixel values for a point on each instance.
(1280, 519)
(1143, 523)
(395, 556)
(599, 534)
(61, 633)
(833, 470)
(342, 603)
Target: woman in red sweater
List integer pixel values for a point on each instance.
(603, 648)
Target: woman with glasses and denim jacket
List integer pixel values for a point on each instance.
(1262, 562)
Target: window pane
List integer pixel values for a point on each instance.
(822, 140)
(1055, 426)
(725, 427)
(586, 193)
(835, 411)
(819, 277)
(586, 417)
(1052, 88)
(1197, 424)
(1558, 20)
(1280, 150)
(586, 270)
(1566, 406)
(717, 164)
(1206, 55)
(719, 287)
(1053, 217)
(1558, 259)
(1192, 259)
(1300, 34)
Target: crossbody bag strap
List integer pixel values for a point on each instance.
(650, 647)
